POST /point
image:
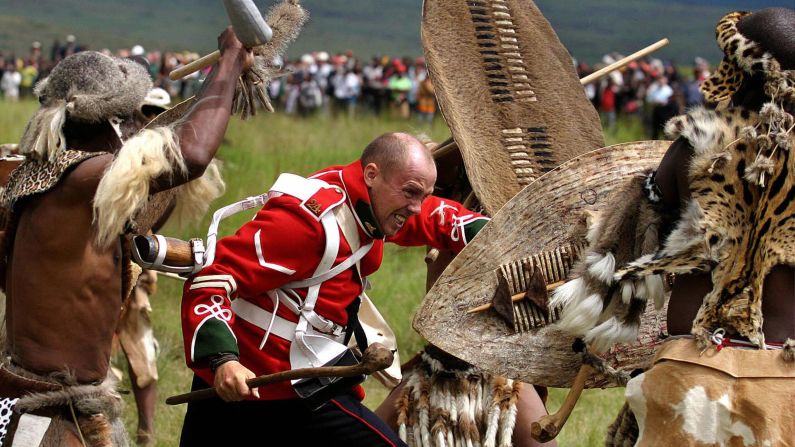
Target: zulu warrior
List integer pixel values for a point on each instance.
(722, 203)
(93, 176)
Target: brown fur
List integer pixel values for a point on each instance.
(596, 306)
(441, 405)
(737, 228)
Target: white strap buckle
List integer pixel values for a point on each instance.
(255, 201)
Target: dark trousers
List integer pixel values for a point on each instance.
(343, 421)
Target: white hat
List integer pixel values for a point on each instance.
(157, 97)
(322, 56)
(307, 59)
(137, 51)
(70, 38)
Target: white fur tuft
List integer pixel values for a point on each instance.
(655, 290)
(124, 188)
(602, 266)
(491, 427)
(688, 231)
(627, 291)
(703, 129)
(568, 293)
(43, 138)
(194, 197)
(582, 315)
(641, 292)
(507, 425)
(612, 331)
(593, 223)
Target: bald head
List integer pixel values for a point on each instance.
(395, 151)
(399, 173)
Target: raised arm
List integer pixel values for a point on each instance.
(202, 129)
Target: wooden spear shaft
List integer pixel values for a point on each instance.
(171, 275)
(598, 74)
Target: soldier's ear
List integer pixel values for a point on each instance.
(371, 172)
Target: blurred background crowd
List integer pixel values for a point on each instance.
(344, 84)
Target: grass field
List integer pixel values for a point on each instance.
(254, 153)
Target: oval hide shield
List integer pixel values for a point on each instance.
(534, 229)
(508, 91)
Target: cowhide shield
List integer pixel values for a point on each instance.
(536, 230)
(508, 91)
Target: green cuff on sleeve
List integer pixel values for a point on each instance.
(473, 228)
(213, 337)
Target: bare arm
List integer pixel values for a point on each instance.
(203, 128)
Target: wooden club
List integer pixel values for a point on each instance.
(548, 427)
(375, 358)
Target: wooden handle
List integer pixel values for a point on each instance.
(171, 275)
(198, 64)
(548, 427)
(375, 358)
(620, 63)
(431, 256)
(178, 252)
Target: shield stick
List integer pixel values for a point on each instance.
(598, 74)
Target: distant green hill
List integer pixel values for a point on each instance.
(588, 28)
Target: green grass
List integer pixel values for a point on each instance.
(254, 153)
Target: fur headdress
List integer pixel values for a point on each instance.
(758, 43)
(89, 87)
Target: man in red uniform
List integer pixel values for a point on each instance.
(229, 329)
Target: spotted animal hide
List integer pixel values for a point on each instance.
(739, 221)
(737, 225)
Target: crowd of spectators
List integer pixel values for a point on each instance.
(315, 83)
(343, 84)
(650, 89)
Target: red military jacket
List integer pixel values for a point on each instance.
(284, 243)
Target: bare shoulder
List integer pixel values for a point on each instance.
(81, 182)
